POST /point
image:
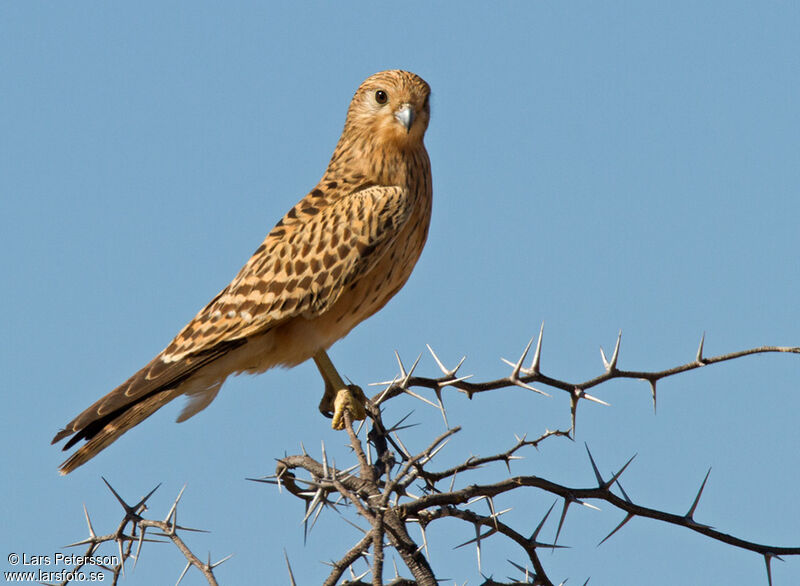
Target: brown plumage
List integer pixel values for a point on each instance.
(333, 260)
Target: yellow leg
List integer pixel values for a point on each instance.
(338, 396)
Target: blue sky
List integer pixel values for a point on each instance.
(630, 165)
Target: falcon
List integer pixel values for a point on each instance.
(332, 261)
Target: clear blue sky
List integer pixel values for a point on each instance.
(624, 165)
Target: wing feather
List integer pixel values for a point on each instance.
(302, 267)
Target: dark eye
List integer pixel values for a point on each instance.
(381, 97)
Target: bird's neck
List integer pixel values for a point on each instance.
(365, 162)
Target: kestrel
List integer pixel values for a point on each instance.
(334, 259)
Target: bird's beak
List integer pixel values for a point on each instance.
(405, 116)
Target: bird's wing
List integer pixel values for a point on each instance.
(302, 267)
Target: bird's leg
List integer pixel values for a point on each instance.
(338, 396)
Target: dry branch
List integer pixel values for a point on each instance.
(132, 530)
(392, 488)
(382, 494)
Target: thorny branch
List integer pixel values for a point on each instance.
(379, 485)
(132, 530)
(391, 488)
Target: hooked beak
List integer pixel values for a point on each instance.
(405, 116)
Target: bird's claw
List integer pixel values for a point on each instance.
(352, 399)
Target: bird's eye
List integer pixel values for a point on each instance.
(381, 97)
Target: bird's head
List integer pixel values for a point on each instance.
(391, 107)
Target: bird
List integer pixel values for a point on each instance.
(337, 257)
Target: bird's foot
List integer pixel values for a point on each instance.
(328, 398)
(352, 399)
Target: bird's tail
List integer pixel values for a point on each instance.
(129, 417)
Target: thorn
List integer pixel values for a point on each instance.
(606, 363)
(406, 376)
(399, 425)
(653, 392)
(439, 363)
(185, 569)
(357, 579)
(600, 481)
(518, 365)
(624, 494)
(424, 541)
(492, 512)
(92, 534)
(349, 522)
(400, 364)
(541, 523)
(700, 358)
(226, 558)
(627, 518)
(613, 365)
(446, 371)
(477, 540)
(519, 383)
(139, 546)
(421, 398)
(121, 555)
(324, 461)
(524, 570)
(438, 448)
(175, 504)
(406, 455)
(438, 392)
(621, 470)
(768, 560)
(690, 514)
(567, 502)
(574, 396)
(585, 395)
(289, 567)
(478, 537)
(389, 386)
(312, 506)
(451, 381)
(537, 354)
(452, 482)
(320, 505)
(119, 498)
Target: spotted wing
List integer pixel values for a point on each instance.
(302, 268)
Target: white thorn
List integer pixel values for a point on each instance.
(700, 349)
(441, 366)
(586, 395)
(537, 354)
(519, 383)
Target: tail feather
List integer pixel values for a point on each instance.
(136, 399)
(128, 418)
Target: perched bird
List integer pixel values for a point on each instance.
(334, 259)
